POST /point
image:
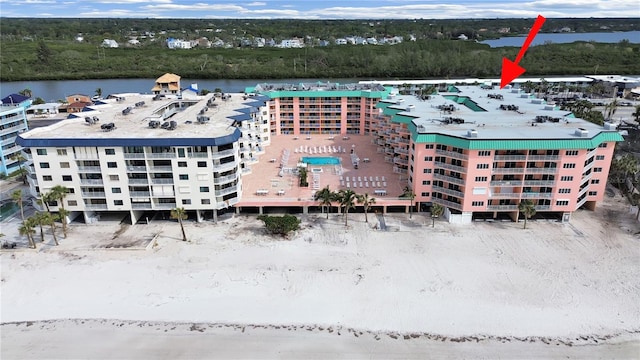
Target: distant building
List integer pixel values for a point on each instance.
(109, 43)
(167, 84)
(291, 43)
(13, 121)
(178, 44)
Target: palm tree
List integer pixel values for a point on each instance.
(50, 219)
(21, 171)
(611, 108)
(180, 214)
(636, 115)
(622, 168)
(27, 229)
(99, 92)
(436, 211)
(366, 202)
(527, 86)
(347, 200)
(16, 196)
(528, 209)
(26, 92)
(325, 196)
(39, 220)
(408, 193)
(59, 192)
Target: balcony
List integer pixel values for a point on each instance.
(226, 191)
(503, 207)
(450, 167)
(449, 179)
(543, 170)
(447, 203)
(160, 169)
(164, 206)
(510, 157)
(137, 168)
(89, 169)
(162, 181)
(452, 192)
(452, 154)
(543, 157)
(167, 155)
(85, 156)
(539, 183)
(93, 194)
(139, 194)
(536, 195)
(224, 153)
(95, 206)
(542, 207)
(199, 155)
(504, 195)
(224, 167)
(141, 205)
(506, 183)
(134, 155)
(224, 179)
(507, 170)
(91, 181)
(138, 181)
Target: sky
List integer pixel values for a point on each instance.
(326, 9)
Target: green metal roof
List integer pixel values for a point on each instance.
(514, 144)
(324, 93)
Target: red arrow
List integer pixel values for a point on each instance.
(510, 69)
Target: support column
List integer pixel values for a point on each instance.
(260, 210)
(238, 210)
(215, 215)
(198, 216)
(384, 209)
(305, 209)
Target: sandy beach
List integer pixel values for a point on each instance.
(485, 290)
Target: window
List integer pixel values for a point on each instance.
(64, 165)
(112, 165)
(564, 191)
(44, 165)
(484, 153)
(481, 178)
(599, 157)
(562, 202)
(205, 201)
(117, 202)
(477, 203)
(566, 178)
(425, 194)
(41, 151)
(428, 158)
(204, 189)
(597, 169)
(114, 177)
(116, 190)
(186, 201)
(426, 171)
(202, 164)
(571, 152)
(482, 166)
(184, 176)
(47, 178)
(71, 191)
(66, 177)
(569, 166)
(182, 164)
(72, 203)
(593, 193)
(428, 146)
(110, 151)
(62, 152)
(603, 145)
(426, 182)
(595, 181)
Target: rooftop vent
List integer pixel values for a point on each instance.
(126, 111)
(515, 91)
(495, 96)
(140, 104)
(536, 101)
(400, 101)
(582, 132)
(202, 119)
(472, 133)
(411, 108)
(154, 124)
(610, 126)
(524, 96)
(108, 127)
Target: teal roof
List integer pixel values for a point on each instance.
(323, 93)
(514, 144)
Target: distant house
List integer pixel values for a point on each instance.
(203, 42)
(79, 38)
(259, 42)
(17, 100)
(133, 42)
(167, 84)
(324, 43)
(341, 41)
(462, 37)
(217, 43)
(372, 41)
(77, 106)
(191, 92)
(78, 98)
(178, 44)
(291, 43)
(109, 43)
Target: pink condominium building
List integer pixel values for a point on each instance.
(479, 151)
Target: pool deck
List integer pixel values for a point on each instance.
(264, 187)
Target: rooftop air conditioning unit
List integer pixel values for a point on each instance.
(610, 126)
(411, 108)
(472, 133)
(582, 132)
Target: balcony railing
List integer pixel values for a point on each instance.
(543, 157)
(502, 207)
(162, 181)
(164, 205)
(160, 169)
(91, 181)
(224, 179)
(224, 167)
(449, 179)
(93, 194)
(95, 206)
(450, 167)
(199, 155)
(139, 193)
(139, 205)
(138, 181)
(539, 183)
(455, 193)
(506, 183)
(166, 155)
(447, 203)
(510, 157)
(542, 207)
(223, 153)
(452, 154)
(93, 169)
(226, 191)
(536, 195)
(134, 155)
(137, 168)
(543, 170)
(507, 170)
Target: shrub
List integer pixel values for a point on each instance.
(280, 225)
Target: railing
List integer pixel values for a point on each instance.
(224, 179)
(138, 205)
(507, 170)
(138, 181)
(512, 183)
(449, 179)
(162, 181)
(450, 167)
(542, 170)
(539, 183)
(440, 189)
(503, 207)
(93, 194)
(8, 141)
(504, 195)
(543, 157)
(447, 203)
(198, 155)
(134, 155)
(137, 168)
(226, 166)
(397, 160)
(536, 195)
(542, 207)
(85, 156)
(160, 169)
(452, 154)
(401, 150)
(95, 169)
(510, 157)
(161, 155)
(95, 206)
(588, 166)
(139, 193)
(224, 153)
(91, 181)
(226, 191)
(164, 205)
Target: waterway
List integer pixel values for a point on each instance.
(52, 91)
(563, 38)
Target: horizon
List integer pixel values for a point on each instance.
(326, 10)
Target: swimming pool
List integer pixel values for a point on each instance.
(321, 160)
